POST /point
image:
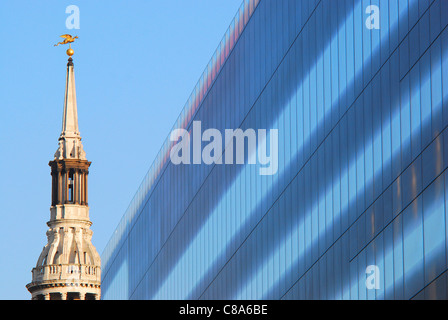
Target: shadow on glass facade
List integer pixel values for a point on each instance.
(361, 115)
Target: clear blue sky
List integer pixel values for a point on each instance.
(136, 63)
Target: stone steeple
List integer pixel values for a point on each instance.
(69, 266)
(70, 146)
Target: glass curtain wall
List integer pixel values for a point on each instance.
(361, 114)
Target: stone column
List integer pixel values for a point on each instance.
(75, 186)
(83, 185)
(79, 186)
(66, 173)
(53, 188)
(86, 186)
(59, 201)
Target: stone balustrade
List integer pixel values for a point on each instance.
(67, 271)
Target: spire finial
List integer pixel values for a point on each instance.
(70, 51)
(68, 39)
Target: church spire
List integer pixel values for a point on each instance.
(69, 266)
(70, 146)
(70, 117)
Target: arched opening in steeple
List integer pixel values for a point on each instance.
(70, 187)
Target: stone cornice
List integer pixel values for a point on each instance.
(35, 286)
(62, 165)
(53, 223)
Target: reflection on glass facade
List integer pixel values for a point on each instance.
(363, 150)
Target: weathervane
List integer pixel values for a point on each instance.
(68, 39)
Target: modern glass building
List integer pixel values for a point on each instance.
(358, 208)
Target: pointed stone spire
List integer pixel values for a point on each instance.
(70, 117)
(70, 146)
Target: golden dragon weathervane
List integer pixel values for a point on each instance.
(67, 39)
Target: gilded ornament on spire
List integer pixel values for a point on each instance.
(68, 39)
